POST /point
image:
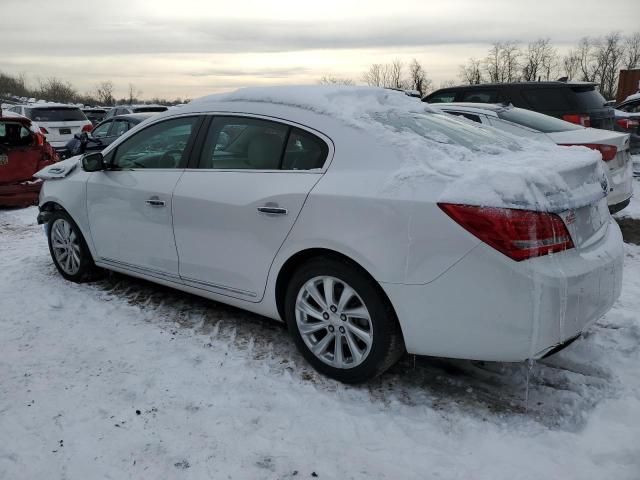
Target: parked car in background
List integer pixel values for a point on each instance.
(23, 151)
(613, 146)
(58, 122)
(95, 115)
(125, 109)
(299, 203)
(576, 102)
(104, 133)
(627, 122)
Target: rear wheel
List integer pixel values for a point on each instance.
(341, 321)
(69, 250)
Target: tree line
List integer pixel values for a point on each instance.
(53, 89)
(593, 59)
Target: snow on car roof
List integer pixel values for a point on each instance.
(479, 165)
(632, 96)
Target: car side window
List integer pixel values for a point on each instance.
(480, 96)
(161, 145)
(443, 97)
(546, 98)
(119, 127)
(244, 143)
(304, 151)
(101, 130)
(631, 107)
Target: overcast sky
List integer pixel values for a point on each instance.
(188, 48)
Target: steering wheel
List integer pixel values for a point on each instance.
(170, 156)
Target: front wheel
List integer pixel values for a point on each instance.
(68, 249)
(341, 321)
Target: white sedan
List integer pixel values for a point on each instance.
(371, 224)
(613, 146)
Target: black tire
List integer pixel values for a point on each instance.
(387, 345)
(86, 269)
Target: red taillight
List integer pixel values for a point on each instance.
(578, 119)
(519, 234)
(43, 130)
(87, 128)
(608, 152)
(627, 123)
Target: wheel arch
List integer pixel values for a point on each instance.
(289, 267)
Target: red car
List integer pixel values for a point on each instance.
(23, 151)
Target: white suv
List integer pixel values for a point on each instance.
(59, 123)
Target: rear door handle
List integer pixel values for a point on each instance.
(273, 210)
(155, 202)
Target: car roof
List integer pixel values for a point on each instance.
(553, 83)
(49, 105)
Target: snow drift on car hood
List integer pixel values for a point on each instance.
(60, 169)
(477, 165)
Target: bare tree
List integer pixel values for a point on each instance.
(418, 79)
(571, 64)
(333, 80)
(448, 83)
(540, 60)
(54, 89)
(502, 62)
(632, 51)
(104, 93)
(394, 70)
(471, 73)
(588, 65)
(609, 54)
(375, 76)
(134, 94)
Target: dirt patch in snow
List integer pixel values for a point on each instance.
(630, 228)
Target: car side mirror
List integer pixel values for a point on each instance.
(93, 162)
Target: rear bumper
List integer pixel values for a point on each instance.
(488, 307)
(20, 194)
(621, 186)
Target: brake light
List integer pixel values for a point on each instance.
(87, 128)
(519, 234)
(627, 123)
(578, 119)
(608, 152)
(43, 130)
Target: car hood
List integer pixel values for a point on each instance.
(60, 169)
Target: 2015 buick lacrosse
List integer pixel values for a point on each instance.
(371, 224)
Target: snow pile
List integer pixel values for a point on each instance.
(124, 379)
(478, 165)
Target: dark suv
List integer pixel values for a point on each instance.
(575, 102)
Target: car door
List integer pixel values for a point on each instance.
(232, 214)
(129, 204)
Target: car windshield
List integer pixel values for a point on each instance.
(445, 129)
(57, 114)
(537, 121)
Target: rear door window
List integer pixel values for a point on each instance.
(119, 127)
(480, 96)
(304, 151)
(550, 99)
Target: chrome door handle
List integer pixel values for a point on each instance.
(155, 202)
(273, 210)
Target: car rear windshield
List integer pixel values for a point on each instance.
(537, 121)
(56, 114)
(149, 109)
(588, 97)
(446, 129)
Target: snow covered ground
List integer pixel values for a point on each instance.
(124, 379)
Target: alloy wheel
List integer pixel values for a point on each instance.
(334, 322)
(66, 246)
